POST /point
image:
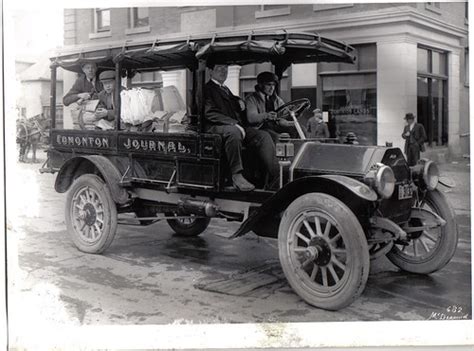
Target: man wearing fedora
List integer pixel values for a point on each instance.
(85, 87)
(415, 136)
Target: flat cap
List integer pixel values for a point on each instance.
(409, 116)
(107, 75)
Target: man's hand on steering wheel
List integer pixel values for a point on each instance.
(296, 106)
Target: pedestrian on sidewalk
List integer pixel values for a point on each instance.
(415, 136)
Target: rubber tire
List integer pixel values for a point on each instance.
(447, 246)
(110, 214)
(354, 240)
(199, 226)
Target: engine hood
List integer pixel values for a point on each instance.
(353, 160)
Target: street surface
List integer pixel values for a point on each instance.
(150, 276)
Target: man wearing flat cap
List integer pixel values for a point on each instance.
(415, 136)
(86, 87)
(105, 113)
(261, 107)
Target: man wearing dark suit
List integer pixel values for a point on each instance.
(223, 115)
(414, 135)
(85, 87)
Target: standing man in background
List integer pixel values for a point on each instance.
(316, 127)
(415, 136)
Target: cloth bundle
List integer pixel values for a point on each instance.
(136, 107)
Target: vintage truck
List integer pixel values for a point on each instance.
(335, 208)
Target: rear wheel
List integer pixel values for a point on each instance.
(190, 226)
(429, 249)
(91, 214)
(323, 251)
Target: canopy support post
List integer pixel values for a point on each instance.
(117, 102)
(200, 94)
(53, 97)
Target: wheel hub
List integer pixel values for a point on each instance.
(319, 251)
(89, 214)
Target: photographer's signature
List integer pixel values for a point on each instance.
(452, 312)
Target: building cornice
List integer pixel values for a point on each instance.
(402, 14)
(399, 15)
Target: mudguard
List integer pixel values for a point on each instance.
(335, 185)
(77, 166)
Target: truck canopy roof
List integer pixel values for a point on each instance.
(280, 48)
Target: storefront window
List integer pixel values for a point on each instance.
(352, 105)
(432, 95)
(350, 98)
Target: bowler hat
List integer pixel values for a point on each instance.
(107, 75)
(409, 116)
(267, 77)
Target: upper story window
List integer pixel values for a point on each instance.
(272, 10)
(139, 20)
(466, 12)
(139, 17)
(433, 7)
(102, 29)
(466, 67)
(102, 20)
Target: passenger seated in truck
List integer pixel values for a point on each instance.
(105, 113)
(86, 87)
(261, 107)
(224, 116)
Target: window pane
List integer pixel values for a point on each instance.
(352, 104)
(140, 16)
(103, 19)
(422, 60)
(439, 63)
(367, 56)
(466, 67)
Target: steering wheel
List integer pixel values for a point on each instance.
(296, 106)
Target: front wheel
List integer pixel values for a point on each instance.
(190, 226)
(323, 251)
(91, 214)
(432, 247)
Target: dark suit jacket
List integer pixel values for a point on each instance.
(105, 103)
(221, 108)
(82, 85)
(417, 136)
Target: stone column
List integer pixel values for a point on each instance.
(454, 113)
(178, 79)
(233, 80)
(396, 88)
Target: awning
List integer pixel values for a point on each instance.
(281, 48)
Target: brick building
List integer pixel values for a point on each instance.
(412, 57)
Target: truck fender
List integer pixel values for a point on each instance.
(94, 164)
(335, 185)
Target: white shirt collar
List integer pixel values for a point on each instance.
(219, 84)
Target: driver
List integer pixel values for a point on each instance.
(261, 107)
(223, 115)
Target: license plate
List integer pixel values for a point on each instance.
(405, 191)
